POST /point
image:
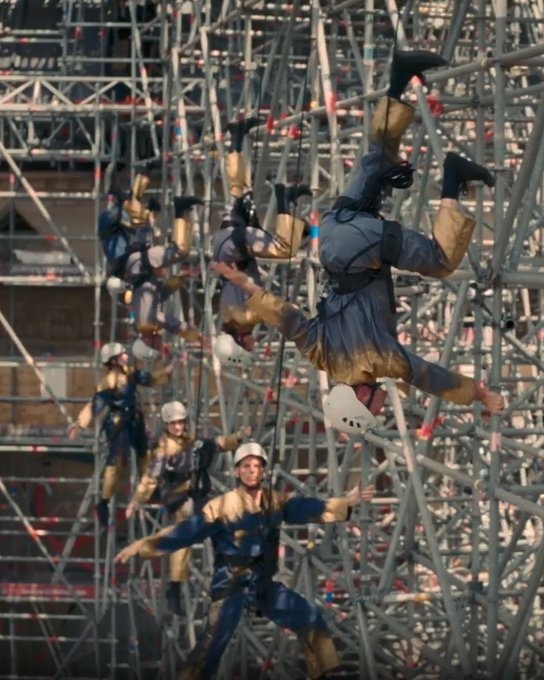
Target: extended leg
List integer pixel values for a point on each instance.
(452, 230)
(290, 610)
(182, 232)
(390, 121)
(237, 176)
(221, 622)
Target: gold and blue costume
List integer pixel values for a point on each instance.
(353, 337)
(240, 240)
(245, 539)
(179, 466)
(123, 424)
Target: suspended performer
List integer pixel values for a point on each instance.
(179, 466)
(115, 399)
(241, 240)
(127, 233)
(353, 337)
(244, 527)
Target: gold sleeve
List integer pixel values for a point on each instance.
(336, 510)
(227, 442)
(174, 283)
(269, 307)
(148, 483)
(464, 393)
(147, 546)
(85, 416)
(160, 377)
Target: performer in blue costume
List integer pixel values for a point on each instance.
(354, 335)
(179, 466)
(241, 240)
(127, 232)
(123, 423)
(243, 526)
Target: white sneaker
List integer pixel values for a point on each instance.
(346, 412)
(144, 352)
(228, 351)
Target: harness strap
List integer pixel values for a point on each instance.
(238, 237)
(391, 246)
(390, 251)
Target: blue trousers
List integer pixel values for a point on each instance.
(281, 605)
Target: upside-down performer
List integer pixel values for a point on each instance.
(354, 335)
(241, 240)
(127, 234)
(243, 526)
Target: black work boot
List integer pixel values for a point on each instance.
(147, 165)
(295, 191)
(287, 195)
(173, 598)
(458, 170)
(408, 64)
(239, 129)
(103, 512)
(183, 203)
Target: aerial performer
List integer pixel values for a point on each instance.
(353, 337)
(179, 466)
(244, 527)
(127, 231)
(241, 240)
(115, 399)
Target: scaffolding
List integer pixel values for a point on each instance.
(440, 576)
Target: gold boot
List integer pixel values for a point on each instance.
(111, 478)
(182, 235)
(390, 121)
(136, 211)
(452, 231)
(237, 175)
(141, 182)
(289, 232)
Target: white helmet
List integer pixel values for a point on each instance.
(144, 352)
(173, 410)
(111, 350)
(346, 412)
(115, 285)
(228, 351)
(250, 449)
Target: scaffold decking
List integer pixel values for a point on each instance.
(440, 576)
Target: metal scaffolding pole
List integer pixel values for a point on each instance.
(438, 577)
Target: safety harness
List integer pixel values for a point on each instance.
(238, 237)
(390, 250)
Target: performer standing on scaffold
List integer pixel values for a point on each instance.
(241, 240)
(244, 527)
(123, 424)
(354, 335)
(179, 465)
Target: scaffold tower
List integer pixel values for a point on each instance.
(440, 576)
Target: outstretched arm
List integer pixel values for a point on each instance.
(234, 275)
(187, 533)
(300, 509)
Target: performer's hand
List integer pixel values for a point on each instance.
(191, 334)
(131, 508)
(234, 275)
(228, 270)
(244, 432)
(73, 431)
(357, 495)
(130, 551)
